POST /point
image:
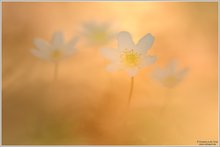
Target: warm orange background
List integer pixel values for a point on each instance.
(86, 104)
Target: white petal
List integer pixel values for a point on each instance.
(159, 74)
(104, 26)
(125, 41)
(39, 54)
(69, 47)
(96, 26)
(183, 73)
(72, 42)
(110, 54)
(88, 28)
(147, 60)
(171, 66)
(89, 25)
(145, 43)
(70, 52)
(57, 40)
(132, 72)
(112, 67)
(41, 44)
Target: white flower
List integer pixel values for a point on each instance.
(97, 34)
(169, 76)
(56, 50)
(130, 56)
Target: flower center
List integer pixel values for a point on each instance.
(99, 36)
(130, 58)
(170, 80)
(56, 54)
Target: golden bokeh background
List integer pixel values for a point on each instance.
(86, 104)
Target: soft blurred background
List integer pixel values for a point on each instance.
(86, 104)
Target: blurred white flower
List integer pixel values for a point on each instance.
(56, 50)
(130, 56)
(97, 34)
(169, 76)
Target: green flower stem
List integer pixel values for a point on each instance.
(167, 101)
(125, 121)
(56, 70)
(131, 91)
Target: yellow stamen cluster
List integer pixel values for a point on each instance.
(130, 58)
(170, 80)
(98, 36)
(56, 54)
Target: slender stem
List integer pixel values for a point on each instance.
(167, 101)
(129, 101)
(131, 91)
(55, 70)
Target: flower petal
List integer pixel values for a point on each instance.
(57, 40)
(159, 74)
(69, 47)
(112, 67)
(89, 25)
(110, 54)
(41, 44)
(147, 60)
(145, 43)
(125, 41)
(132, 71)
(182, 73)
(171, 66)
(69, 52)
(73, 42)
(39, 54)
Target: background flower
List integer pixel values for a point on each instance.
(56, 50)
(169, 76)
(97, 33)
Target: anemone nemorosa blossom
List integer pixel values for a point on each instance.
(130, 56)
(97, 34)
(169, 76)
(56, 50)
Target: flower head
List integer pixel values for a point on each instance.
(56, 50)
(169, 77)
(130, 56)
(97, 34)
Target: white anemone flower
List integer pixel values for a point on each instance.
(170, 77)
(54, 51)
(130, 56)
(97, 34)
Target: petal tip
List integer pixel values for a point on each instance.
(122, 33)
